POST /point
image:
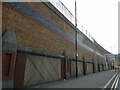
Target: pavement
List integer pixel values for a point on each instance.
(118, 85)
(94, 80)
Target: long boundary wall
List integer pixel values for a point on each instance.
(42, 46)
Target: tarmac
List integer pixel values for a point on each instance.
(93, 80)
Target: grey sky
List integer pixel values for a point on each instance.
(100, 18)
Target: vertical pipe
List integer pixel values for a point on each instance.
(118, 57)
(76, 38)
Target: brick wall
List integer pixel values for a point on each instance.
(34, 34)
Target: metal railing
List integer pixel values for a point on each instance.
(62, 8)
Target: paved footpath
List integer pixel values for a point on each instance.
(118, 81)
(94, 80)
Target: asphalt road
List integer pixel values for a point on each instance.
(94, 80)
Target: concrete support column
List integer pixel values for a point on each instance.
(98, 67)
(84, 67)
(103, 67)
(9, 50)
(93, 66)
(94, 57)
(65, 65)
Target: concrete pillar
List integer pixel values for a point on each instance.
(93, 66)
(94, 56)
(84, 67)
(9, 50)
(66, 65)
(98, 67)
(103, 67)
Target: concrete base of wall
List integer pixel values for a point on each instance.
(68, 75)
(0, 84)
(7, 84)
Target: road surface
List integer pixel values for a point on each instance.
(94, 80)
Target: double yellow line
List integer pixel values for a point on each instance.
(114, 80)
(115, 83)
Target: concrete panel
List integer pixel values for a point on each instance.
(80, 68)
(89, 68)
(96, 66)
(73, 68)
(30, 71)
(40, 70)
(101, 67)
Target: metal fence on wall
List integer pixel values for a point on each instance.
(62, 8)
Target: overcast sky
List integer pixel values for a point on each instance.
(100, 18)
